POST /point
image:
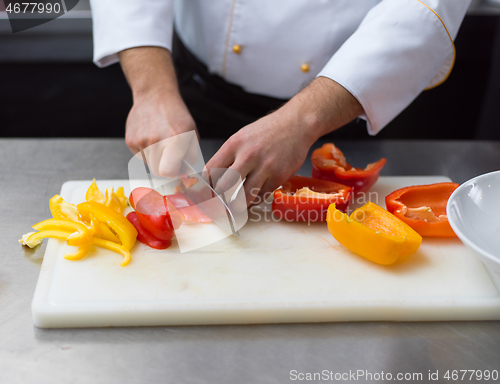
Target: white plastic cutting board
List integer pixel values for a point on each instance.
(274, 272)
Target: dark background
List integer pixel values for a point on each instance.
(81, 100)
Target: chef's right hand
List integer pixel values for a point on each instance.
(158, 111)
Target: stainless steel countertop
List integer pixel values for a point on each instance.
(32, 171)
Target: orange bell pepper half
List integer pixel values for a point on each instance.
(423, 207)
(374, 233)
(330, 164)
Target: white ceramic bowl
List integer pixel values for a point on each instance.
(474, 214)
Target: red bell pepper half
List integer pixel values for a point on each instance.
(423, 207)
(330, 164)
(307, 199)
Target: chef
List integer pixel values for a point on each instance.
(276, 75)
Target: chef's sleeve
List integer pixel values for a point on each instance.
(401, 48)
(123, 24)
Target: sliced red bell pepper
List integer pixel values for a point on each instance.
(188, 209)
(307, 199)
(137, 194)
(182, 209)
(330, 164)
(153, 213)
(423, 207)
(145, 236)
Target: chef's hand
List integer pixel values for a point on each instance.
(269, 151)
(158, 111)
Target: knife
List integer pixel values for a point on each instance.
(202, 193)
(213, 204)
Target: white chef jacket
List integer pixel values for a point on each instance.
(384, 52)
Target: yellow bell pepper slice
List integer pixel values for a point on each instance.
(125, 231)
(120, 194)
(93, 224)
(94, 194)
(114, 247)
(113, 201)
(35, 238)
(105, 233)
(99, 222)
(79, 254)
(374, 233)
(62, 210)
(100, 229)
(79, 234)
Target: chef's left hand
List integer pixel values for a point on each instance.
(270, 150)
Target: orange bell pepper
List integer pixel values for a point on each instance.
(423, 207)
(330, 164)
(374, 233)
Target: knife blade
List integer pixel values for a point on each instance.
(213, 204)
(148, 171)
